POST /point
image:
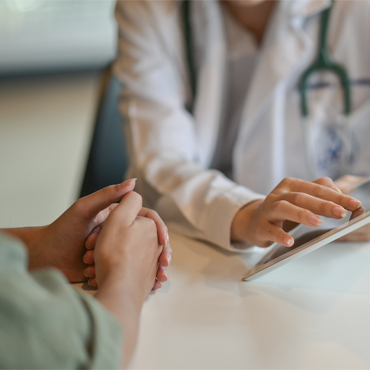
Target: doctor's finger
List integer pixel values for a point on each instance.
(327, 181)
(283, 210)
(348, 183)
(315, 205)
(322, 192)
(273, 233)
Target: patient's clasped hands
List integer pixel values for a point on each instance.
(133, 239)
(130, 232)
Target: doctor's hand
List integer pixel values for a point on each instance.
(262, 222)
(347, 184)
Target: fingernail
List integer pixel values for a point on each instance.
(84, 259)
(339, 191)
(165, 273)
(128, 181)
(339, 211)
(86, 273)
(314, 220)
(89, 282)
(167, 240)
(354, 204)
(169, 258)
(288, 241)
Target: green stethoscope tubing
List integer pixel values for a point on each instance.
(189, 50)
(323, 62)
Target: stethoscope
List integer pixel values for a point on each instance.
(324, 62)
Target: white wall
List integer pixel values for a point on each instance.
(45, 129)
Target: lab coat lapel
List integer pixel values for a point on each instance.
(211, 56)
(286, 48)
(284, 55)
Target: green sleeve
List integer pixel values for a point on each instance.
(45, 323)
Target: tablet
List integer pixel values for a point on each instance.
(307, 238)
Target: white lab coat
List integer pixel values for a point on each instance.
(171, 150)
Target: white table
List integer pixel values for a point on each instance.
(312, 313)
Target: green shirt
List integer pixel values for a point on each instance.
(46, 323)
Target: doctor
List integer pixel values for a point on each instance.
(209, 139)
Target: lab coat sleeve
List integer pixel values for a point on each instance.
(47, 324)
(161, 134)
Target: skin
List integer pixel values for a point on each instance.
(254, 15)
(294, 200)
(347, 184)
(164, 259)
(131, 243)
(126, 258)
(62, 243)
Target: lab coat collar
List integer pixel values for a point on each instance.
(210, 48)
(286, 51)
(286, 47)
(307, 8)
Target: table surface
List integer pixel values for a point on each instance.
(311, 313)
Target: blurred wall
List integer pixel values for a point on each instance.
(52, 56)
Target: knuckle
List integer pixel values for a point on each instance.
(290, 180)
(150, 224)
(342, 199)
(270, 233)
(79, 207)
(324, 207)
(273, 233)
(278, 206)
(114, 188)
(261, 230)
(319, 191)
(286, 181)
(269, 198)
(302, 215)
(153, 213)
(111, 192)
(136, 197)
(327, 180)
(296, 198)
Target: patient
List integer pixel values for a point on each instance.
(47, 324)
